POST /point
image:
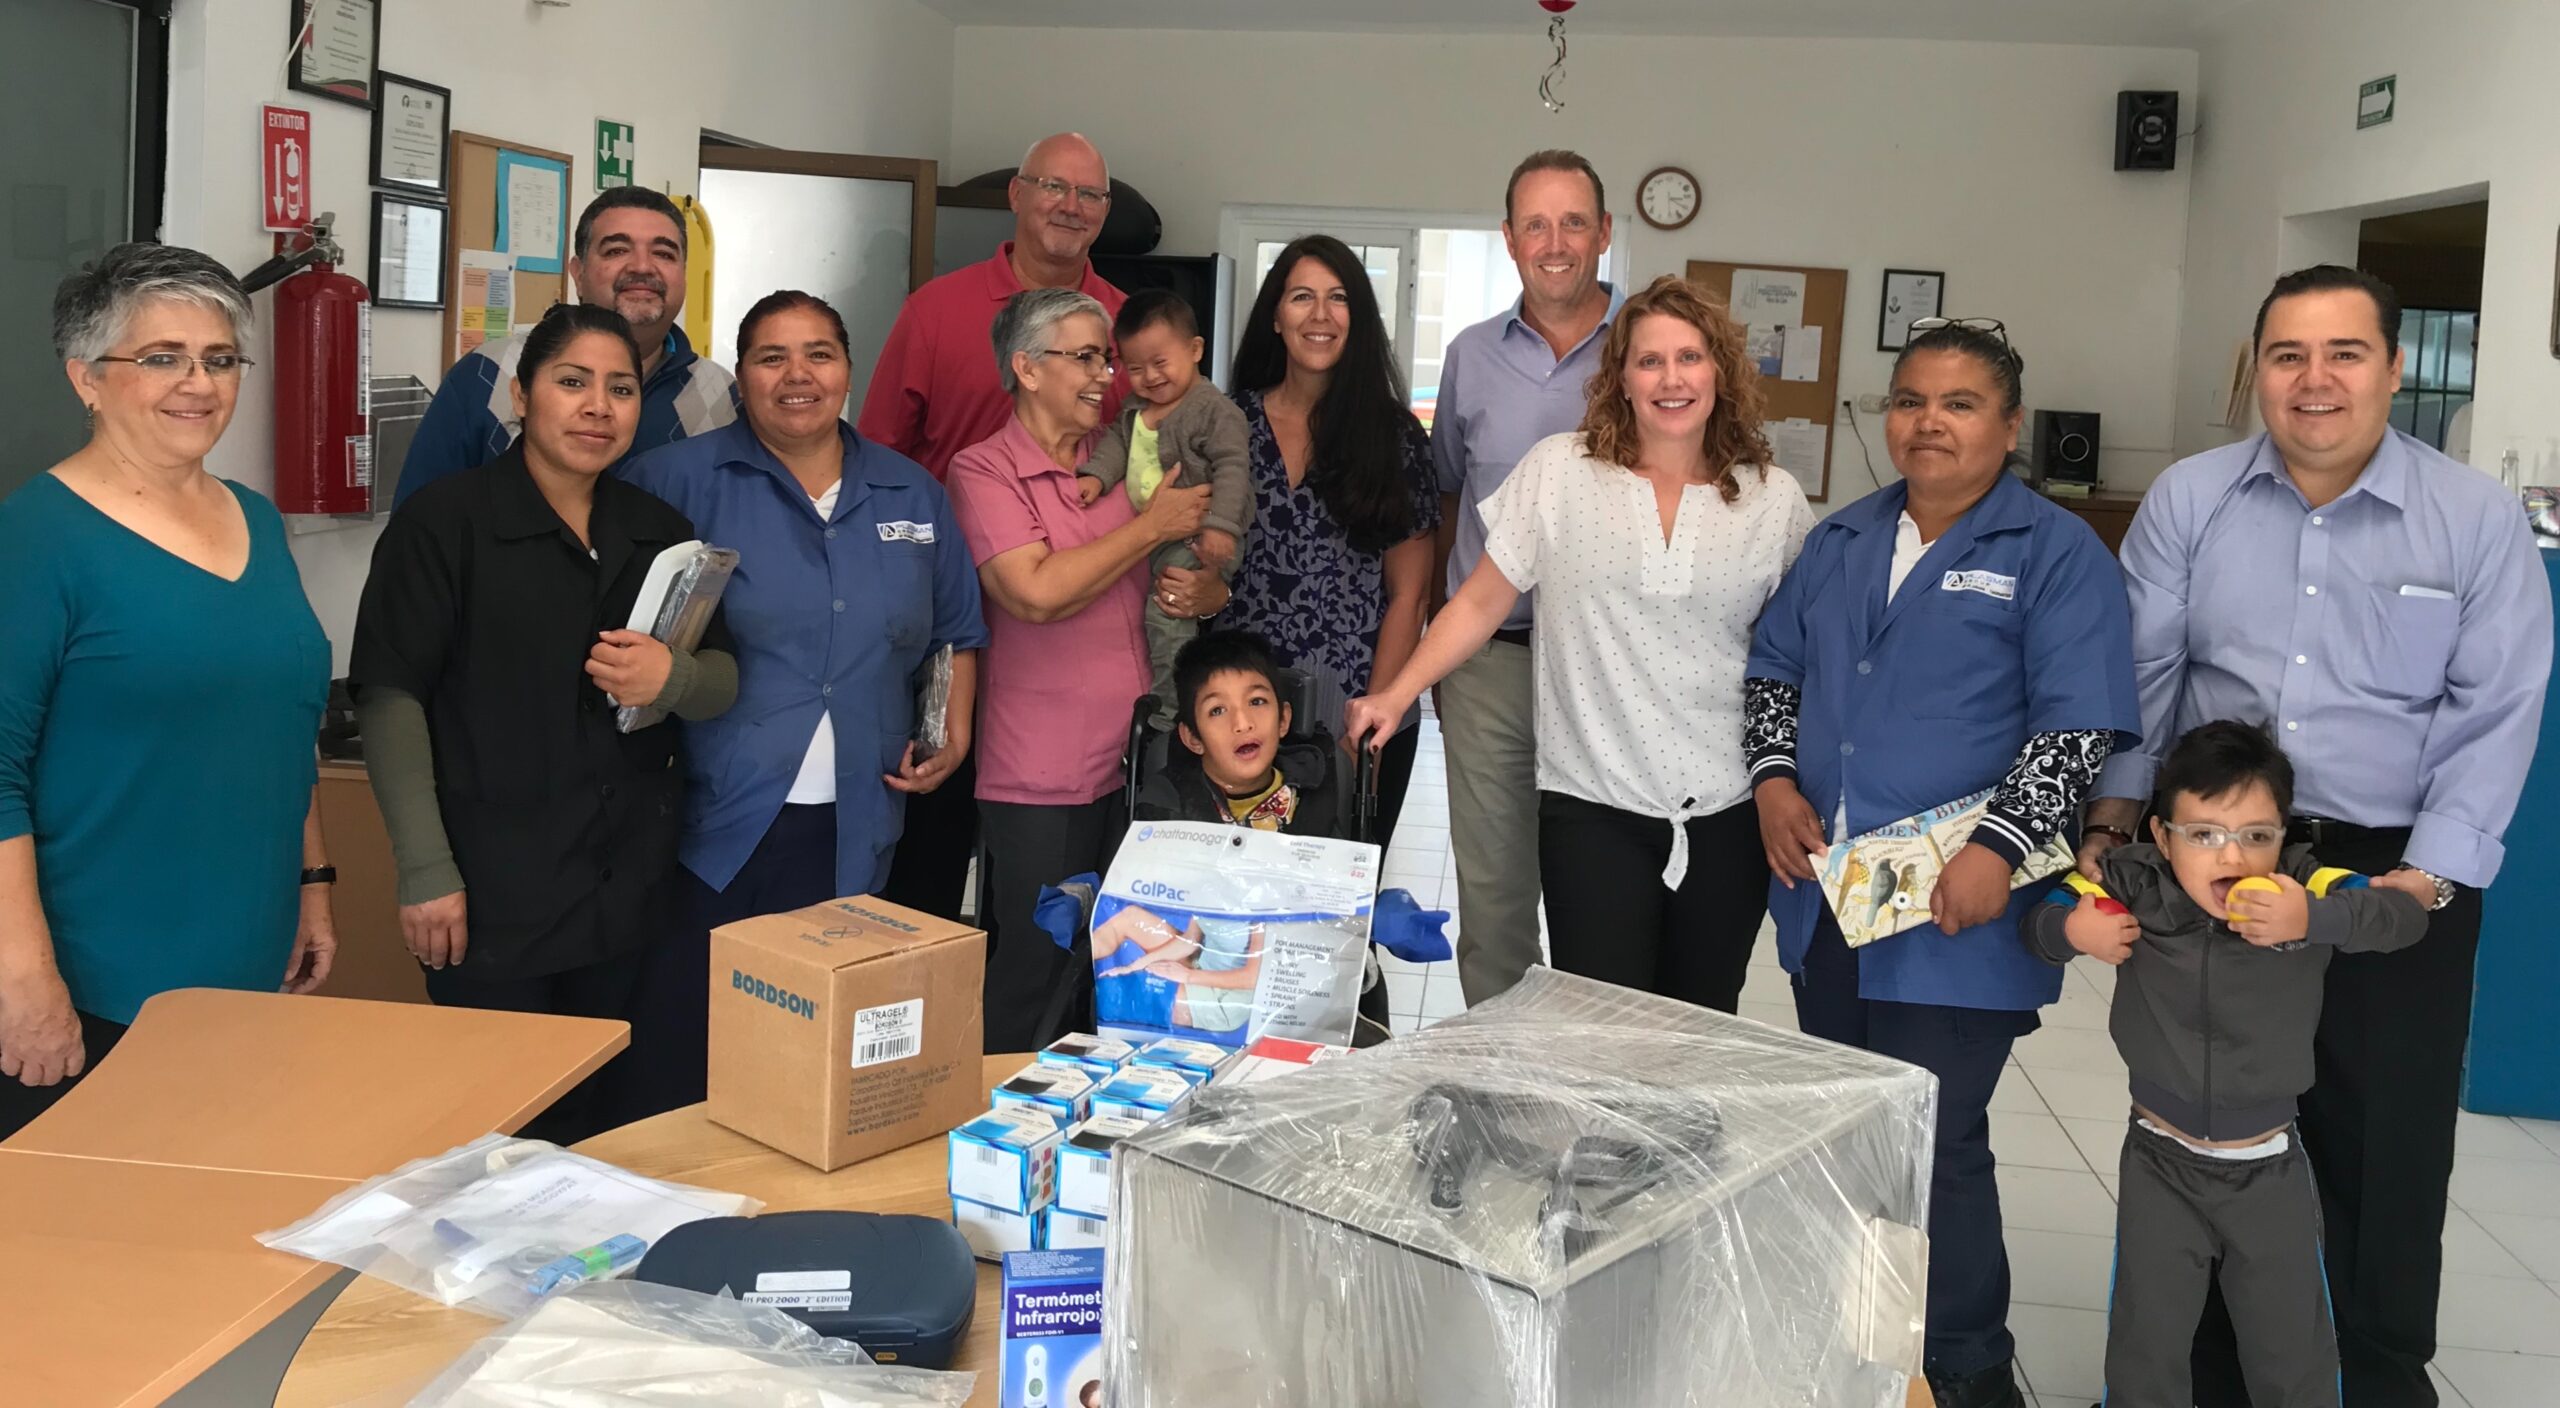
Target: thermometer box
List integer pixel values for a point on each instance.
(1051, 1351)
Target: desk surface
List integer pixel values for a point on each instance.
(379, 1338)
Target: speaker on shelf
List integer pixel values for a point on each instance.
(2066, 447)
(2146, 131)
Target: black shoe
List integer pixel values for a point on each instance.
(1995, 1387)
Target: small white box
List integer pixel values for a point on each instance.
(991, 1232)
(1100, 1057)
(1006, 1158)
(1196, 1059)
(1142, 1093)
(1062, 1090)
(1072, 1231)
(1084, 1163)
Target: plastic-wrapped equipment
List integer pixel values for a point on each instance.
(626, 1344)
(1574, 1195)
(682, 589)
(499, 1224)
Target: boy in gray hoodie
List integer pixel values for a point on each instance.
(1177, 429)
(2222, 936)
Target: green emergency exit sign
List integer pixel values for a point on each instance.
(614, 153)
(2374, 101)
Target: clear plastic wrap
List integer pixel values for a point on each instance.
(499, 1224)
(685, 585)
(1575, 1195)
(932, 732)
(625, 1344)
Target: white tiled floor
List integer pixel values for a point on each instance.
(2058, 1119)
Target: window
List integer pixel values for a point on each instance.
(92, 76)
(1435, 274)
(2436, 346)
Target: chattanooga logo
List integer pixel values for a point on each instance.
(763, 991)
(1155, 890)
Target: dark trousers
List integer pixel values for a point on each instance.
(601, 1101)
(2378, 1124)
(1964, 1047)
(20, 1104)
(1035, 990)
(930, 869)
(793, 867)
(2184, 1218)
(1395, 778)
(1610, 917)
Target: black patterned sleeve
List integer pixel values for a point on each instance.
(1769, 710)
(2043, 790)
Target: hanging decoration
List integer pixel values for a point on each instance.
(1554, 75)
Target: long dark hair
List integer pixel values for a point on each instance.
(1358, 428)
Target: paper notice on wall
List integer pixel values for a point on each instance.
(1802, 448)
(1801, 359)
(485, 310)
(1769, 303)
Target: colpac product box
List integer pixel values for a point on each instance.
(846, 1029)
(1051, 1350)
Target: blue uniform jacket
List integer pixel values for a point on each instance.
(472, 419)
(2012, 624)
(831, 617)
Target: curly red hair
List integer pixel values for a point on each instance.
(1734, 436)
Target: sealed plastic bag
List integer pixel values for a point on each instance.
(627, 1344)
(677, 597)
(1572, 1196)
(499, 1224)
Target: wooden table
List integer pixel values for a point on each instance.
(379, 1338)
(128, 1211)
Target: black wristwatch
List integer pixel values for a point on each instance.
(320, 875)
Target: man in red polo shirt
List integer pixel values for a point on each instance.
(934, 394)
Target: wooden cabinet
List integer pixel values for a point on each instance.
(372, 961)
(2109, 514)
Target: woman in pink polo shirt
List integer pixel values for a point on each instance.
(1066, 658)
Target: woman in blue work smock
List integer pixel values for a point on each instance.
(1954, 634)
(851, 572)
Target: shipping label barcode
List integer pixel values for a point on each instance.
(889, 1049)
(890, 1032)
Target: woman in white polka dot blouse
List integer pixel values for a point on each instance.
(1653, 535)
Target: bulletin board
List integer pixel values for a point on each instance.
(1802, 390)
(476, 164)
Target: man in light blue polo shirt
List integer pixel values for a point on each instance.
(1505, 384)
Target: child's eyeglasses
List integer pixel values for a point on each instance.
(2206, 837)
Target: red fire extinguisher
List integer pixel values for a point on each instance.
(323, 373)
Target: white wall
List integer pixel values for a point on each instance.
(1989, 161)
(861, 76)
(2282, 175)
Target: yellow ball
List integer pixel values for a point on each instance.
(2248, 885)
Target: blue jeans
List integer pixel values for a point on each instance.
(1964, 1047)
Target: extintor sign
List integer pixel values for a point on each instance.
(284, 168)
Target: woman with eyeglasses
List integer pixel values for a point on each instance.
(161, 683)
(1066, 658)
(1952, 635)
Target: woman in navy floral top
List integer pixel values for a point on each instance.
(1337, 568)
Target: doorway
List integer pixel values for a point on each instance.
(2432, 258)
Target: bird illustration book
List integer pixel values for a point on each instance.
(1878, 882)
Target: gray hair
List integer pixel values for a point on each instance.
(1028, 318)
(93, 307)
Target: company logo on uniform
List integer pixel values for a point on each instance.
(1996, 585)
(763, 991)
(904, 530)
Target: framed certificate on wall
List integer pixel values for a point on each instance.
(412, 121)
(334, 46)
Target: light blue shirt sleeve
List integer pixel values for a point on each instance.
(2154, 562)
(1448, 442)
(2481, 741)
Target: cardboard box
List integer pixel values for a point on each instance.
(1064, 1231)
(1084, 1163)
(1052, 1334)
(845, 1030)
(992, 1232)
(1006, 1158)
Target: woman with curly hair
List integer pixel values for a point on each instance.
(1653, 535)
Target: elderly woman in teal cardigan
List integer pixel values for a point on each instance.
(161, 683)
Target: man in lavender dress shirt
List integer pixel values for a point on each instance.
(1506, 384)
(2382, 609)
